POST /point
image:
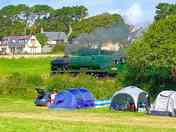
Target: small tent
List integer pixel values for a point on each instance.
(165, 104)
(73, 98)
(127, 96)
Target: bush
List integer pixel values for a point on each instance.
(103, 88)
(59, 48)
(152, 57)
(24, 85)
(19, 85)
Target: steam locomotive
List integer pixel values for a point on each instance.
(99, 65)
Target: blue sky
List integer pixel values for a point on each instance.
(136, 12)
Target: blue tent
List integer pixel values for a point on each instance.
(73, 98)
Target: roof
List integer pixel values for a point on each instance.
(133, 91)
(16, 40)
(55, 36)
(166, 93)
(17, 37)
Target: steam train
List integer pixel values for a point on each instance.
(99, 65)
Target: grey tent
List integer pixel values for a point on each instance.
(127, 96)
(165, 104)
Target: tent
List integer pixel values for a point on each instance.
(129, 96)
(165, 104)
(73, 98)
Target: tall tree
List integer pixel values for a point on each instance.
(152, 58)
(163, 10)
(68, 15)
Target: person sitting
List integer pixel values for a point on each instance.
(51, 98)
(131, 107)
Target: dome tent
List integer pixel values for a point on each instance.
(73, 98)
(165, 104)
(129, 95)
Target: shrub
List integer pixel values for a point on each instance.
(101, 88)
(18, 84)
(59, 48)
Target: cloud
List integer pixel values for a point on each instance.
(134, 14)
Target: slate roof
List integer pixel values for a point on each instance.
(13, 41)
(55, 36)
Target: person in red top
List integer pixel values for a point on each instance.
(51, 98)
(131, 106)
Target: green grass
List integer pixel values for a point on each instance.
(20, 115)
(25, 66)
(20, 77)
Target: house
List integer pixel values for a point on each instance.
(55, 37)
(20, 45)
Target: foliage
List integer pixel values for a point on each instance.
(19, 85)
(24, 85)
(42, 38)
(100, 88)
(59, 48)
(152, 57)
(21, 76)
(24, 20)
(89, 24)
(164, 10)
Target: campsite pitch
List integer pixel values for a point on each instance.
(21, 115)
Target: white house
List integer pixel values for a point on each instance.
(20, 45)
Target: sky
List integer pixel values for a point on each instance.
(135, 12)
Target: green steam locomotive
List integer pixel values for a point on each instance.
(99, 65)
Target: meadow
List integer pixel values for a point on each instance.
(19, 115)
(19, 77)
(25, 66)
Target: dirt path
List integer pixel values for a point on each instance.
(97, 118)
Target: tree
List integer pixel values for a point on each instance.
(40, 13)
(69, 15)
(42, 38)
(157, 47)
(152, 58)
(90, 24)
(164, 10)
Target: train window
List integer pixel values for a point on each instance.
(115, 61)
(122, 61)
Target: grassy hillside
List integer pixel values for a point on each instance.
(21, 115)
(25, 66)
(20, 77)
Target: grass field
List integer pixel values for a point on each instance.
(25, 66)
(20, 115)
